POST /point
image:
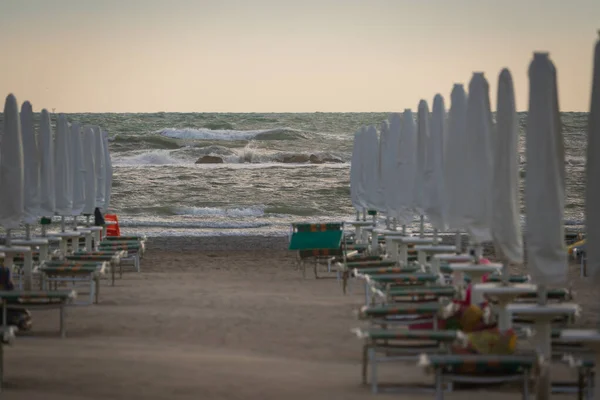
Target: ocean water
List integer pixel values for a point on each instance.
(276, 169)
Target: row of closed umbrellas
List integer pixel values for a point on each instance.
(42, 174)
(461, 169)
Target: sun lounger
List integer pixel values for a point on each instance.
(484, 369)
(46, 299)
(72, 271)
(114, 258)
(317, 242)
(389, 345)
(417, 293)
(132, 248)
(402, 313)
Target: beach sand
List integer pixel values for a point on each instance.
(208, 318)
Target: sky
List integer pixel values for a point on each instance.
(284, 55)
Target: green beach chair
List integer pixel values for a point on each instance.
(317, 242)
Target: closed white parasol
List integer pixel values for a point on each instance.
(434, 178)
(455, 161)
(476, 207)
(406, 168)
(89, 144)
(31, 165)
(592, 202)
(371, 175)
(357, 191)
(506, 226)
(78, 170)
(108, 172)
(46, 147)
(545, 178)
(63, 176)
(391, 146)
(11, 168)
(100, 168)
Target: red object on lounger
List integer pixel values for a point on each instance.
(112, 229)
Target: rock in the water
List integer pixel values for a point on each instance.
(297, 158)
(315, 160)
(209, 160)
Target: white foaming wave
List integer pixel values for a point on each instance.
(154, 157)
(228, 134)
(224, 212)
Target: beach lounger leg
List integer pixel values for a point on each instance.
(1, 366)
(526, 385)
(365, 362)
(439, 384)
(137, 262)
(63, 324)
(97, 292)
(373, 361)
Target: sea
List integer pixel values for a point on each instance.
(272, 169)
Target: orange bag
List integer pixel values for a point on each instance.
(112, 229)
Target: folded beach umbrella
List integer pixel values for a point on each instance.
(357, 190)
(545, 178)
(11, 168)
(63, 175)
(506, 225)
(46, 148)
(455, 163)
(100, 163)
(31, 167)
(77, 170)
(407, 164)
(421, 157)
(592, 201)
(108, 172)
(434, 177)
(89, 182)
(371, 172)
(476, 206)
(390, 144)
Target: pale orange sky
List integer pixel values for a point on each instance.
(284, 55)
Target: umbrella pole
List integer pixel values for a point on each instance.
(435, 236)
(394, 224)
(458, 242)
(8, 237)
(62, 223)
(357, 216)
(74, 222)
(422, 226)
(364, 214)
(404, 229)
(87, 220)
(27, 232)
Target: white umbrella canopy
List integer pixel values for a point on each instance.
(384, 136)
(11, 167)
(100, 163)
(434, 179)
(390, 142)
(455, 145)
(63, 175)
(31, 165)
(108, 173)
(356, 189)
(371, 176)
(506, 225)
(592, 201)
(406, 168)
(421, 157)
(77, 169)
(89, 144)
(545, 178)
(46, 147)
(476, 208)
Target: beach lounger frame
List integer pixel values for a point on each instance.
(90, 273)
(317, 242)
(41, 300)
(6, 339)
(441, 366)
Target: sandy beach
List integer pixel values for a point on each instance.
(209, 318)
